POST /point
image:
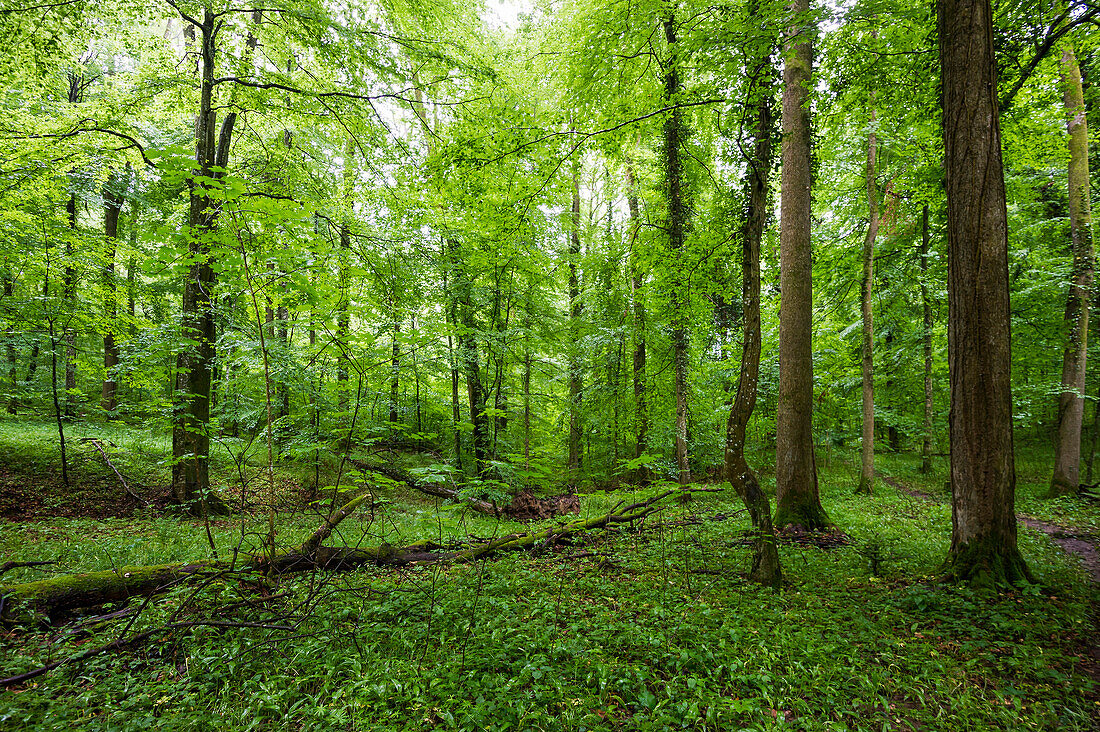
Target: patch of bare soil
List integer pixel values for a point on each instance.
(1083, 545)
(33, 496)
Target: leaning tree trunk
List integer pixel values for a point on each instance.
(1071, 401)
(983, 475)
(765, 560)
(190, 436)
(867, 449)
(796, 488)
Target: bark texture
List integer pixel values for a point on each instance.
(983, 476)
(797, 497)
(112, 207)
(575, 310)
(1071, 400)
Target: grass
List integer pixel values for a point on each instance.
(647, 629)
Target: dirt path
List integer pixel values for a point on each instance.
(1083, 545)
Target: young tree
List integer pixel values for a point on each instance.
(797, 497)
(983, 474)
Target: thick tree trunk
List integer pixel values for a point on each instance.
(983, 475)
(575, 310)
(797, 497)
(676, 228)
(1071, 401)
(112, 207)
(926, 338)
(867, 449)
(190, 435)
(765, 567)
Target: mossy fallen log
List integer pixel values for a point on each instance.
(61, 595)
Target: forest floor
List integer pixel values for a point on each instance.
(649, 626)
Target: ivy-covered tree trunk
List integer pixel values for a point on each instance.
(983, 474)
(676, 229)
(867, 449)
(765, 567)
(1071, 400)
(112, 207)
(797, 498)
(190, 435)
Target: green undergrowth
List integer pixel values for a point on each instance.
(641, 627)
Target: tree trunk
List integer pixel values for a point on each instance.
(926, 337)
(797, 497)
(68, 289)
(867, 448)
(395, 371)
(9, 346)
(112, 207)
(765, 567)
(1071, 401)
(575, 311)
(676, 226)
(190, 435)
(637, 294)
(983, 475)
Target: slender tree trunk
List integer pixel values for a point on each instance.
(983, 475)
(641, 408)
(190, 434)
(395, 371)
(797, 497)
(1071, 401)
(867, 450)
(68, 285)
(112, 207)
(677, 223)
(926, 337)
(575, 310)
(765, 567)
(9, 347)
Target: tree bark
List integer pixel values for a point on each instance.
(926, 337)
(867, 448)
(190, 436)
(1071, 401)
(983, 475)
(676, 228)
(765, 567)
(797, 497)
(9, 345)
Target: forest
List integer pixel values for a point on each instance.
(550, 365)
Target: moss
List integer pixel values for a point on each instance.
(987, 565)
(810, 516)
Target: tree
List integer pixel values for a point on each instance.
(797, 497)
(1071, 401)
(983, 474)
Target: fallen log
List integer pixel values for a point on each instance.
(60, 595)
(525, 506)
